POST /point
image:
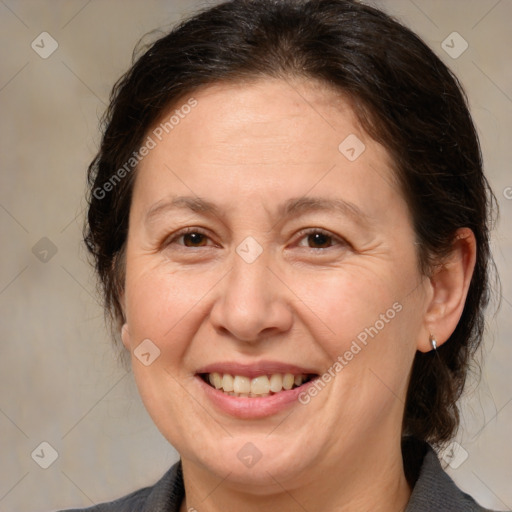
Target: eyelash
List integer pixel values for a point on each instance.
(335, 240)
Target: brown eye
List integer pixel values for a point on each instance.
(194, 239)
(189, 237)
(319, 240)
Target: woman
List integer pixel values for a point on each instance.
(290, 221)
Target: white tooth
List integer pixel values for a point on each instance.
(276, 382)
(241, 384)
(260, 385)
(217, 380)
(298, 380)
(288, 381)
(227, 382)
(210, 378)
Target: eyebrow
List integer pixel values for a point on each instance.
(292, 207)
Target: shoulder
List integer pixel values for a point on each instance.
(433, 489)
(165, 496)
(129, 503)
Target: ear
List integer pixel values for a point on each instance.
(125, 333)
(118, 270)
(125, 336)
(449, 287)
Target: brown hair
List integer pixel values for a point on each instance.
(404, 97)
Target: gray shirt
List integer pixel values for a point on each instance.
(433, 489)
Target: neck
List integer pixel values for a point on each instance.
(370, 480)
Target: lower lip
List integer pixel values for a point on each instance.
(252, 408)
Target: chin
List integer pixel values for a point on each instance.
(257, 463)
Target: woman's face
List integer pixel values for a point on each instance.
(298, 258)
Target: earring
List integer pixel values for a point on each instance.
(433, 342)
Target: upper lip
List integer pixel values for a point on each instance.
(255, 369)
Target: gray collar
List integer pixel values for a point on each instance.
(433, 489)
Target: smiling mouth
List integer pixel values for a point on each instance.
(257, 387)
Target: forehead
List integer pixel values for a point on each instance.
(266, 111)
(269, 134)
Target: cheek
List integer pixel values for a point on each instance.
(353, 303)
(367, 323)
(168, 307)
(158, 300)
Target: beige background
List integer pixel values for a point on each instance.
(60, 382)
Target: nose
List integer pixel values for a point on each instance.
(252, 302)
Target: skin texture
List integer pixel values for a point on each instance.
(249, 148)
